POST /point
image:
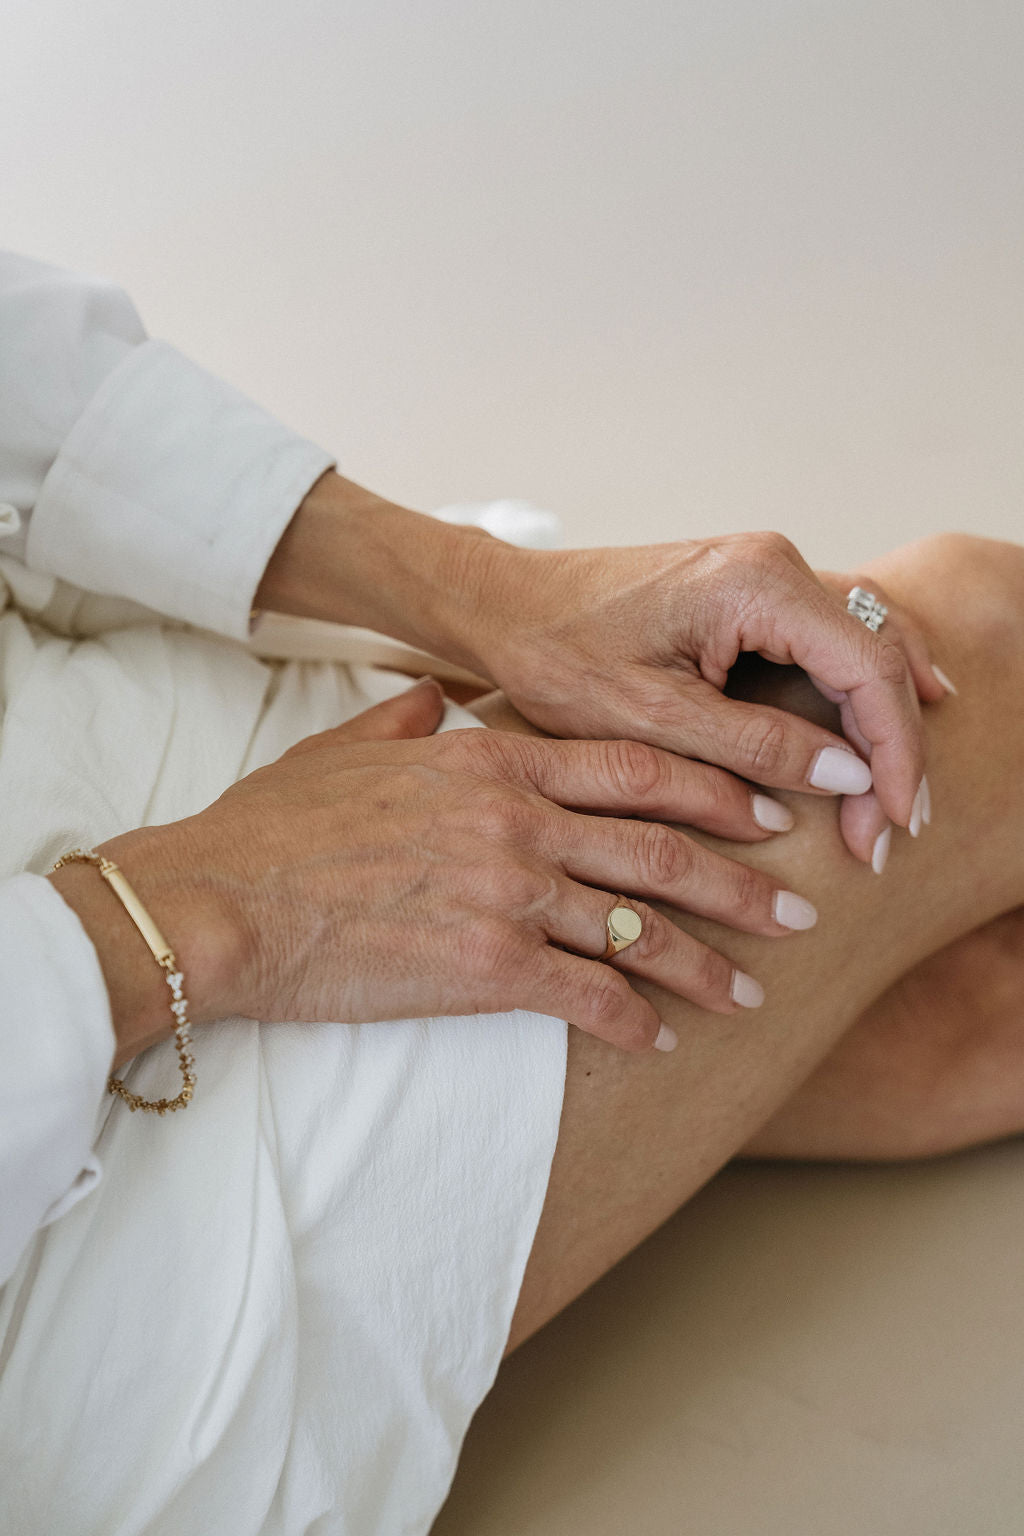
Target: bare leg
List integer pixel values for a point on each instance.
(935, 1065)
(640, 1134)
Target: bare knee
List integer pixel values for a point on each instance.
(967, 591)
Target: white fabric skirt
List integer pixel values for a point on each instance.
(278, 1311)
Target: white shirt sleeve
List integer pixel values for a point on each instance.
(57, 1044)
(126, 470)
(135, 472)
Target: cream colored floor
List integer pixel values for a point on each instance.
(801, 1351)
(668, 267)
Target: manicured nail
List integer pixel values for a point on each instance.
(880, 852)
(926, 801)
(916, 811)
(666, 1039)
(843, 772)
(772, 814)
(792, 911)
(943, 679)
(746, 991)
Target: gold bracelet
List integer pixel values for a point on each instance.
(163, 954)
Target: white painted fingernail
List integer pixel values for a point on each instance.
(843, 772)
(926, 801)
(916, 810)
(772, 814)
(943, 679)
(792, 911)
(880, 852)
(746, 991)
(666, 1039)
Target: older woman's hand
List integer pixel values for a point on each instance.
(631, 643)
(362, 878)
(637, 642)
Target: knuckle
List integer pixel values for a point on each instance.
(526, 888)
(712, 974)
(503, 814)
(491, 950)
(635, 767)
(656, 935)
(772, 546)
(458, 748)
(763, 746)
(666, 857)
(606, 1000)
(750, 897)
(720, 795)
(891, 663)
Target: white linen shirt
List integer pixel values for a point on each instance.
(127, 471)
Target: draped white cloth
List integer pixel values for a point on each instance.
(277, 1312)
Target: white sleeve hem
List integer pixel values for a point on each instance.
(171, 489)
(58, 1039)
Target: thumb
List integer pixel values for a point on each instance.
(416, 712)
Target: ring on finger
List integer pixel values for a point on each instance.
(866, 607)
(623, 927)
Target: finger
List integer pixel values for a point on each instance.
(770, 746)
(640, 780)
(801, 620)
(596, 998)
(416, 712)
(660, 863)
(663, 953)
(866, 830)
(931, 684)
(930, 689)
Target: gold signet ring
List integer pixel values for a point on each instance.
(624, 927)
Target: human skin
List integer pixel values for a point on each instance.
(852, 1017)
(290, 895)
(641, 1132)
(626, 643)
(594, 644)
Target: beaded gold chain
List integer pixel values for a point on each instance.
(163, 954)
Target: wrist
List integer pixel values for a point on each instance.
(157, 867)
(352, 557)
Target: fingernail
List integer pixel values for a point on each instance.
(792, 911)
(916, 811)
(926, 801)
(880, 852)
(771, 814)
(843, 772)
(943, 679)
(746, 991)
(666, 1039)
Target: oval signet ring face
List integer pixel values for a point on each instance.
(624, 927)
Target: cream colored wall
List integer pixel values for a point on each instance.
(668, 267)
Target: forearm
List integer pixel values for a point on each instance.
(352, 557)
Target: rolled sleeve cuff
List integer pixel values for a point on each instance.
(172, 489)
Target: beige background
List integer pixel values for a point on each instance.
(667, 268)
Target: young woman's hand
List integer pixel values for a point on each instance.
(378, 871)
